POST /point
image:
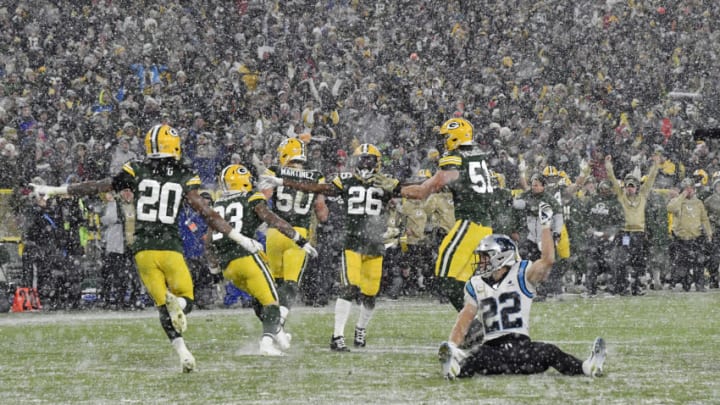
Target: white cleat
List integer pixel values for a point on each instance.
(187, 361)
(593, 366)
(267, 347)
(282, 339)
(177, 316)
(450, 358)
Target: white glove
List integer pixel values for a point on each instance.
(266, 181)
(451, 365)
(304, 244)
(249, 244)
(522, 167)
(584, 168)
(545, 214)
(215, 270)
(48, 191)
(310, 249)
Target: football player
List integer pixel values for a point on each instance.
(365, 210)
(464, 170)
(501, 294)
(245, 210)
(160, 182)
(287, 260)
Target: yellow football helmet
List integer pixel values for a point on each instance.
(497, 179)
(701, 177)
(291, 150)
(163, 141)
(424, 173)
(367, 160)
(236, 178)
(550, 171)
(457, 132)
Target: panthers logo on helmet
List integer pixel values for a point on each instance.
(457, 132)
(163, 141)
(367, 160)
(291, 150)
(236, 178)
(500, 251)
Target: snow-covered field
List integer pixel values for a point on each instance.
(662, 349)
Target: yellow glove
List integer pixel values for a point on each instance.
(384, 182)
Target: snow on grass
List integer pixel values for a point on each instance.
(662, 349)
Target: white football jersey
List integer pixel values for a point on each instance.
(504, 307)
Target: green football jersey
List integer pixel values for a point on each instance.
(238, 209)
(294, 206)
(159, 186)
(366, 214)
(473, 193)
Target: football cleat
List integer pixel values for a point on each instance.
(593, 366)
(177, 316)
(360, 334)
(187, 361)
(282, 339)
(267, 347)
(450, 357)
(337, 344)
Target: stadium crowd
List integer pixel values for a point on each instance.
(81, 84)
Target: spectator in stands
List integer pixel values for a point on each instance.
(121, 154)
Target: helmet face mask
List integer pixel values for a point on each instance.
(456, 132)
(291, 150)
(236, 179)
(701, 177)
(493, 253)
(163, 141)
(367, 160)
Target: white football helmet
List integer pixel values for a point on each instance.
(499, 249)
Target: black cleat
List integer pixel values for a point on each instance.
(337, 344)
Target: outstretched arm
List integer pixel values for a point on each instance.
(214, 220)
(284, 227)
(432, 185)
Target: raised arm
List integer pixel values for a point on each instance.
(540, 269)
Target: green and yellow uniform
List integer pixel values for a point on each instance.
(159, 186)
(288, 261)
(249, 272)
(366, 223)
(474, 199)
